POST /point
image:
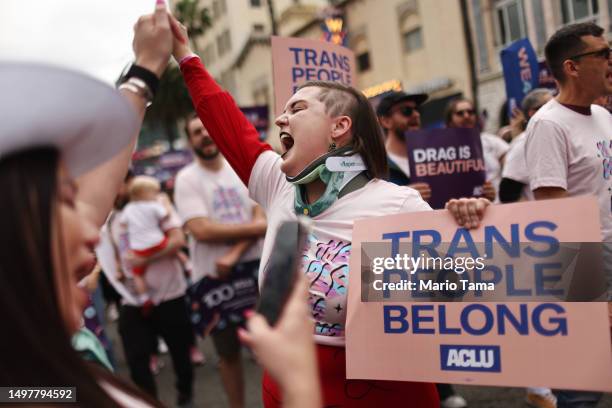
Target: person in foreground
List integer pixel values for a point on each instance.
(65, 145)
(321, 120)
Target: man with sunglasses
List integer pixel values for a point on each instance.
(398, 113)
(569, 140)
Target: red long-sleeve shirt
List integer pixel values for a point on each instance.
(236, 137)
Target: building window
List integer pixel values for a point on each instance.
(216, 10)
(223, 6)
(577, 11)
(363, 61)
(209, 53)
(224, 44)
(509, 21)
(413, 40)
(255, 3)
(258, 28)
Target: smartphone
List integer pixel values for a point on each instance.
(282, 269)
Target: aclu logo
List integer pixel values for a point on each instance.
(462, 357)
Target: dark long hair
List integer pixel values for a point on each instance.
(449, 111)
(368, 139)
(35, 349)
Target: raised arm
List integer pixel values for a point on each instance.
(152, 47)
(235, 136)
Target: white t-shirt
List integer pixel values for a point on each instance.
(142, 220)
(326, 259)
(402, 162)
(493, 148)
(515, 166)
(573, 151)
(219, 196)
(164, 277)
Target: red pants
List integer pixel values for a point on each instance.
(140, 270)
(337, 391)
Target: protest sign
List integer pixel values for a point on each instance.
(216, 303)
(258, 116)
(502, 343)
(521, 71)
(449, 160)
(299, 60)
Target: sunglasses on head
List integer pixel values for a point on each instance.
(603, 53)
(462, 112)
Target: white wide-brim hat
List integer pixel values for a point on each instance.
(40, 105)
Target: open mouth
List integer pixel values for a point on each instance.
(287, 141)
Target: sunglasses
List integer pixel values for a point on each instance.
(407, 110)
(603, 53)
(463, 112)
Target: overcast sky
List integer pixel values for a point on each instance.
(94, 36)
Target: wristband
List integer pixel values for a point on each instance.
(187, 58)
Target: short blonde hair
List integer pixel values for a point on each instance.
(141, 184)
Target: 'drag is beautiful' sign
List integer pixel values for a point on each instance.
(521, 71)
(449, 160)
(299, 60)
(512, 343)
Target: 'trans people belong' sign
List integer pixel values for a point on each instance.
(511, 343)
(298, 60)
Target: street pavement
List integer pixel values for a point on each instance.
(209, 390)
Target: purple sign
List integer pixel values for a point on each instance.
(217, 303)
(449, 160)
(259, 117)
(545, 77)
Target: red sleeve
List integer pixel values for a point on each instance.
(235, 136)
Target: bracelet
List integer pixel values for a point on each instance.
(138, 87)
(143, 74)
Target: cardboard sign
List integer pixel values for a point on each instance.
(451, 161)
(298, 60)
(521, 71)
(515, 344)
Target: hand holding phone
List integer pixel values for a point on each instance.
(282, 269)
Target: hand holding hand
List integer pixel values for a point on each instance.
(468, 212)
(180, 44)
(153, 40)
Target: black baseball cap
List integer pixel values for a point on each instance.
(393, 98)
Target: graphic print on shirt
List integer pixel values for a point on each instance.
(228, 206)
(605, 150)
(326, 266)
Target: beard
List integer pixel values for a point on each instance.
(206, 156)
(399, 135)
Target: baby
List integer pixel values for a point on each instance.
(142, 217)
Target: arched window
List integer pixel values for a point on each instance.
(410, 27)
